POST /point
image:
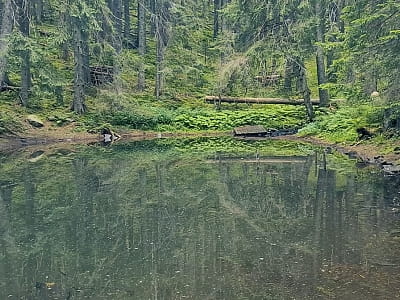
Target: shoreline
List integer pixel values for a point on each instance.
(15, 143)
(362, 151)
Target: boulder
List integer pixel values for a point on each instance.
(35, 121)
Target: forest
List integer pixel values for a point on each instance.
(178, 207)
(149, 64)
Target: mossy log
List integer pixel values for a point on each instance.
(216, 99)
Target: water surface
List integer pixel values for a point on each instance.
(202, 218)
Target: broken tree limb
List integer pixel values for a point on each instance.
(6, 87)
(216, 99)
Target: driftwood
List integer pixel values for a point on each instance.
(217, 100)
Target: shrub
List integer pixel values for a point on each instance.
(341, 125)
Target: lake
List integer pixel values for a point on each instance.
(204, 218)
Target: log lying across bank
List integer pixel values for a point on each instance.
(216, 99)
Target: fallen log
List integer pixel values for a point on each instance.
(216, 99)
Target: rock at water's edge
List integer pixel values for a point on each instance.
(35, 121)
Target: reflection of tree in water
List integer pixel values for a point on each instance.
(142, 228)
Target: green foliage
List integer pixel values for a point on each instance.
(341, 125)
(10, 122)
(140, 117)
(256, 38)
(278, 117)
(366, 53)
(140, 120)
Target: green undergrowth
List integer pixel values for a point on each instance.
(341, 125)
(187, 118)
(277, 116)
(10, 120)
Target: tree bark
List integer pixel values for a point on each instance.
(64, 19)
(288, 76)
(85, 56)
(152, 5)
(141, 44)
(127, 21)
(5, 30)
(159, 57)
(38, 6)
(161, 24)
(117, 12)
(24, 16)
(217, 7)
(117, 41)
(320, 58)
(78, 104)
(214, 99)
(306, 93)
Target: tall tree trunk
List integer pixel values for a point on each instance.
(159, 56)
(127, 22)
(85, 56)
(152, 5)
(320, 58)
(117, 42)
(288, 76)
(117, 12)
(78, 104)
(141, 43)
(161, 24)
(64, 19)
(24, 16)
(38, 6)
(217, 7)
(5, 30)
(306, 92)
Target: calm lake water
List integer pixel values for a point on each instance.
(208, 218)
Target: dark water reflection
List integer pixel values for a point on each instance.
(149, 221)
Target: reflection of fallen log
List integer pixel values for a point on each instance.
(216, 99)
(271, 160)
(260, 131)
